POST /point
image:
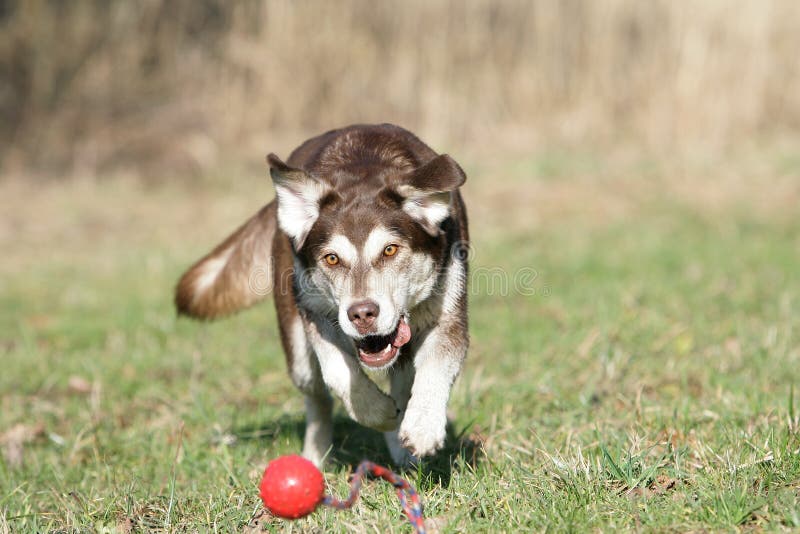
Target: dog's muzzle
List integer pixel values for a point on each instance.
(380, 351)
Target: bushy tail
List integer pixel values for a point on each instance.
(233, 276)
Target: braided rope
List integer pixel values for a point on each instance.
(409, 499)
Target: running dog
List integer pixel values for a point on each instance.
(365, 245)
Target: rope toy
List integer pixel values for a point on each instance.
(293, 487)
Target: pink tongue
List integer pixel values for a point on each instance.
(403, 334)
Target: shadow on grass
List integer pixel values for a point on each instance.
(353, 443)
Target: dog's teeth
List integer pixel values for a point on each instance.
(388, 348)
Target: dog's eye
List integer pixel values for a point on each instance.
(332, 259)
(390, 250)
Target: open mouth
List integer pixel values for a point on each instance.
(377, 351)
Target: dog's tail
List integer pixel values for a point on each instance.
(233, 276)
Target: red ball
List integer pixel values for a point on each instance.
(292, 487)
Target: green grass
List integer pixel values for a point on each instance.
(647, 384)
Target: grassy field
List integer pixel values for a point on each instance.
(646, 385)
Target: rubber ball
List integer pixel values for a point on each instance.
(291, 487)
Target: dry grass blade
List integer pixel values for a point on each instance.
(173, 474)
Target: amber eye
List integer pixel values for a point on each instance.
(332, 259)
(390, 250)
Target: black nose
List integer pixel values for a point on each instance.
(363, 314)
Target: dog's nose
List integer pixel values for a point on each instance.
(363, 314)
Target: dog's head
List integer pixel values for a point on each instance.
(368, 244)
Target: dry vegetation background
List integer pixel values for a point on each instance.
(643, 156)
(160, 88)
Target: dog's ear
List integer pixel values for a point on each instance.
(233, 276)
(299, 196)
(427, 192)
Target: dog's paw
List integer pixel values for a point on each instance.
(422, 433)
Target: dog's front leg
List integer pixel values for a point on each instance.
(438, 362)
(402, 378)
(362, 399)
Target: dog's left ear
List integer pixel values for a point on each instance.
(299, 195)
(427, 192)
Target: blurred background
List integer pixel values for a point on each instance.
(163, 88)
(641, 157)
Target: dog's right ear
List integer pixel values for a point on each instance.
(299, 196)
(428, 191)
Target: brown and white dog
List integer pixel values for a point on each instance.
(366, 245)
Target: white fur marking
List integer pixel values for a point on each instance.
(424, 425)
(421, 278)
(454, 287)
(298, 209)
(302, 372)
(344, 248)
(430, 210)
(437, 361)
(211, 269)
(375, 244)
